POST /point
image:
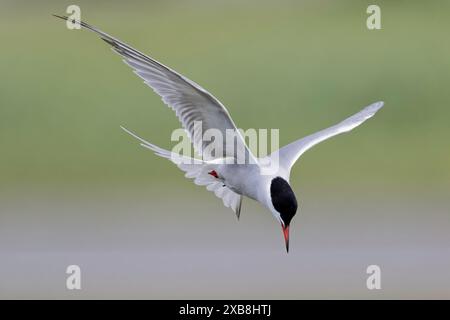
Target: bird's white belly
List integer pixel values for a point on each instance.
(242, 179)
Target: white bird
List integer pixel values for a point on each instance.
(230, 182)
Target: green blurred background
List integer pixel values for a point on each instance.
(74, 187)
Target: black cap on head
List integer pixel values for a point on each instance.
(283, 199)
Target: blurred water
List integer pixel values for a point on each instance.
(148, 245)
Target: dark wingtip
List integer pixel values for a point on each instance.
(108, 41)
(61, 17)
(74, 21)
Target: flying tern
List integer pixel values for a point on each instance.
(230, 182)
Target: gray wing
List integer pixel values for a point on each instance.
(290, 153)
(198, 170)
(191, 103)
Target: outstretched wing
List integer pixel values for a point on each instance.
(289, 154)
(191, 103)
(198, 170)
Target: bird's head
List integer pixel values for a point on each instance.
(285, 204)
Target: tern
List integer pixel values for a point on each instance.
(230, 182)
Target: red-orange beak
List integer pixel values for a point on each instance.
(286, 236)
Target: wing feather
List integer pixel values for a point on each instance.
(189, 100)
(196, 169)
(290, 153)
